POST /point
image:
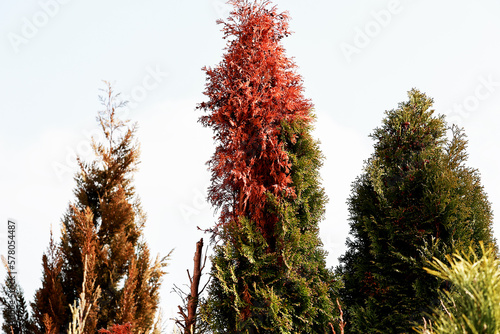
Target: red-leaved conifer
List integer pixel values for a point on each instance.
(268, 273)
(251, 93)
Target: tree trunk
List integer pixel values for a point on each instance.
(192, 305)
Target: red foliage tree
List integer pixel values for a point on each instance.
(268, 271)
(251, 93)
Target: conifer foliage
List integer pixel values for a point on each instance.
(473, 305)
(102, 238)
(415, 200)
(49, 305)
(118, 329)
(268, 271)
(15, 314)
(251, 93)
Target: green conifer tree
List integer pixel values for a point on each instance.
(416, 200)
(268, 273)
(287, 289)
(14, 309)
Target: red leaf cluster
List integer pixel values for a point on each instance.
(118, 329)
(251, 93)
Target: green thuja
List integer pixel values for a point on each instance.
(285, 288)
(415, 200)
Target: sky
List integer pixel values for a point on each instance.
(357, 58)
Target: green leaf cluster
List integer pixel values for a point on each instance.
(472, 305)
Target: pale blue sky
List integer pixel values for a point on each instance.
(154, 51)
